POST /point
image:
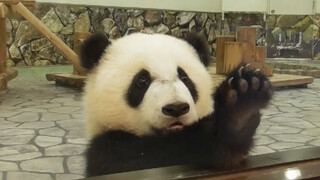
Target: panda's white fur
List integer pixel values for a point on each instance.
(105, 102)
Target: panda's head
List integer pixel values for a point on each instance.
(144, 83)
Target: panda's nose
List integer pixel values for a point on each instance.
(176, 110)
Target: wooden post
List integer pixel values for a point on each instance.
(232, 56)
(57, 42)
(79, 37)
(3, 50)
(247, 36)
(260, 54)
(221, 52)
(268, 71)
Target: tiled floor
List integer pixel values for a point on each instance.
(42, 129)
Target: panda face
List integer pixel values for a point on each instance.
(145, 84)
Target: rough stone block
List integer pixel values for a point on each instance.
(309, 73)
(316, 73)
(278, 71)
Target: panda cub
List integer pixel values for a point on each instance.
(149, 102)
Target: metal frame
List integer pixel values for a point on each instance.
(267, 166)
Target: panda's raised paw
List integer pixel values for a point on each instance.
(246, 86)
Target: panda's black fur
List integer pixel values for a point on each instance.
(214, 140)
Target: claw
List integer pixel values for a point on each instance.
(240, 71)
(257, 70)
(230, 81)
(247, 65)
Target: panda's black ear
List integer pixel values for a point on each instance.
(200, 45)
(92, 49)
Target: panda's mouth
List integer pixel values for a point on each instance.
(177, 126)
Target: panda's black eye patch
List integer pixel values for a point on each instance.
(142, 82)
(183, 76)
(138, 87)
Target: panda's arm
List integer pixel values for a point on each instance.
(118, 151)
(237, 103)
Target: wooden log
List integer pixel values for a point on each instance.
(57, 42)
(3, 54)
(220, 52)
(79, 37)
(247, 36)
(232, 56)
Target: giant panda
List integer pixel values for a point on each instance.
(149, 102)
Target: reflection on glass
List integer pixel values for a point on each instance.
(292, 173)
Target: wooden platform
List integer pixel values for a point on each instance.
(277, 80)
(70, 80)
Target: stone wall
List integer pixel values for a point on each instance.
(26, 47)
(292, 36)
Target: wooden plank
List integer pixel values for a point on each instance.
(282, 80)
(57, 42)
(247, 35)
(232, 56)
(79, 37)
(220, 51)
(24, 2)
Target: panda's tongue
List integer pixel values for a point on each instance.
(175, 127)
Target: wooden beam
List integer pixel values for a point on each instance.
(24, 2)
(57, 42)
